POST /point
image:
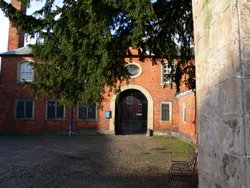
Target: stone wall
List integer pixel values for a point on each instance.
(222, 38)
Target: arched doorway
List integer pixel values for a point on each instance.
(131, 112)
(150, 124)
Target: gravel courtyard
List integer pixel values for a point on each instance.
(87, 160)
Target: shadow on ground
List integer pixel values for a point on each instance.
(84, 161)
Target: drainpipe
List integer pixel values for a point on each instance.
(71, 120)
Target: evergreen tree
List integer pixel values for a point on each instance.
(82, 44)
(170, 35)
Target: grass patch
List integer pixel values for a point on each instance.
(168, 148)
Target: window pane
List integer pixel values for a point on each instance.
(23, 67)
(82, 111)
(24, 109)
(26, 72)
(19, 109)
(28, 76)
(165, 112)
(92, 111)
(60, 111)
(87, 111)
(51, 109)
(133, 69)
(166, 71)
(22, 76)
(29, 109)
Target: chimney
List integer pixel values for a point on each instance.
(16, 38)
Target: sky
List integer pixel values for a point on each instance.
(4, 28)
(4, 22)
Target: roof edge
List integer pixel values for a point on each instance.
(24, 51)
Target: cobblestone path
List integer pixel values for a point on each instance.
(83, 161)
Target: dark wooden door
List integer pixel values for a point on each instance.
(131, 113)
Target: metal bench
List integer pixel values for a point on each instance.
(183, 173)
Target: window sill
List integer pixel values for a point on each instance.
(56, 119)
(21, 82)
(24, 119)
(167, 84)
(163, 121)
(87, 120)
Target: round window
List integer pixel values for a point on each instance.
(133, 69)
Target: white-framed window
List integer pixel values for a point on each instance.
(54, 110)
(184, 113)
(87, 112)
(134, 69)
(165, 74)
(25, 72)
(166, 111)
(24, 109)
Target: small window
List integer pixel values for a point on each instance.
(184, 113)
(166, 77)
(24, 109)
(166, 108)
(87, 111)
(134, 70)
(55, 110)
(26, 72)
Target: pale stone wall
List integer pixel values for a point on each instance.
(222, 50)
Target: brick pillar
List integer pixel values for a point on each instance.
(16, 38)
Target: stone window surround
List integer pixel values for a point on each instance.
(139, 66)
(184, 113)
(170, 111)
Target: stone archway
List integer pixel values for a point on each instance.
(131, 113)
(150, 105)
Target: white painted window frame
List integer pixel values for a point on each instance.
(19, 73)
(184, 113)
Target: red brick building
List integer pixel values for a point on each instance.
(144, 104)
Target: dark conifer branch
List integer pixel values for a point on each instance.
(84, 43)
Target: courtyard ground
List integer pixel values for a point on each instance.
(87, 160)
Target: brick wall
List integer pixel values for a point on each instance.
(187, 128)
(16, 37)
(149, 79)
